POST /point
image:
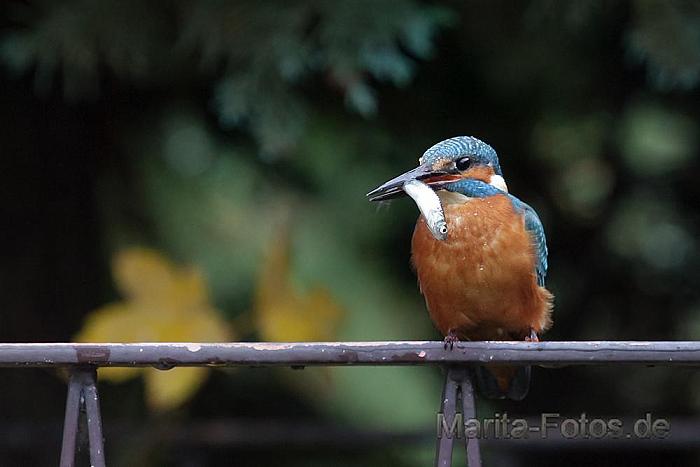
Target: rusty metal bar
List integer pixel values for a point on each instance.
(168, 355)
(82, 392)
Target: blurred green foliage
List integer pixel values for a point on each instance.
(200, 127)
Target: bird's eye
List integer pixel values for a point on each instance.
(463, 163)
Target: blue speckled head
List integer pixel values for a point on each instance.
(455, 164)
(460, 146)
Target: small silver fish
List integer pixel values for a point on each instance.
(429, 205)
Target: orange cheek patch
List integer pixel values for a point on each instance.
(480, 173)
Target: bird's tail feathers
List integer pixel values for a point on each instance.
(502, 381)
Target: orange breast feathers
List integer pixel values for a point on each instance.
(480, 283)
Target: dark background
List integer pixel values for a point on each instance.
(199, 128)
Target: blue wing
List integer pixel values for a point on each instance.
(534, 227)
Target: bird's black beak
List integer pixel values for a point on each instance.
(394, 187)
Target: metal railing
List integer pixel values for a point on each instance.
(83, 360)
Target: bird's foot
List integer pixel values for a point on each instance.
(532, 337)
(450, 340)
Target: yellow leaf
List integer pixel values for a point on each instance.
(190, 290)
(280, 322)
(118, 375)
(167, 390)
(327, 313)
(284, 314)
(273, 280)
(163, 303)
(117, 322)
(142, 273)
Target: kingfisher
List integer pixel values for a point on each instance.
(484, 280)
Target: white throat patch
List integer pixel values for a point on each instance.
(498, 182)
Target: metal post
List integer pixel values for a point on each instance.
(448, 408)
(466, 389)
(82, 391)
(94, 419)
(70, 423)
(458, 385)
